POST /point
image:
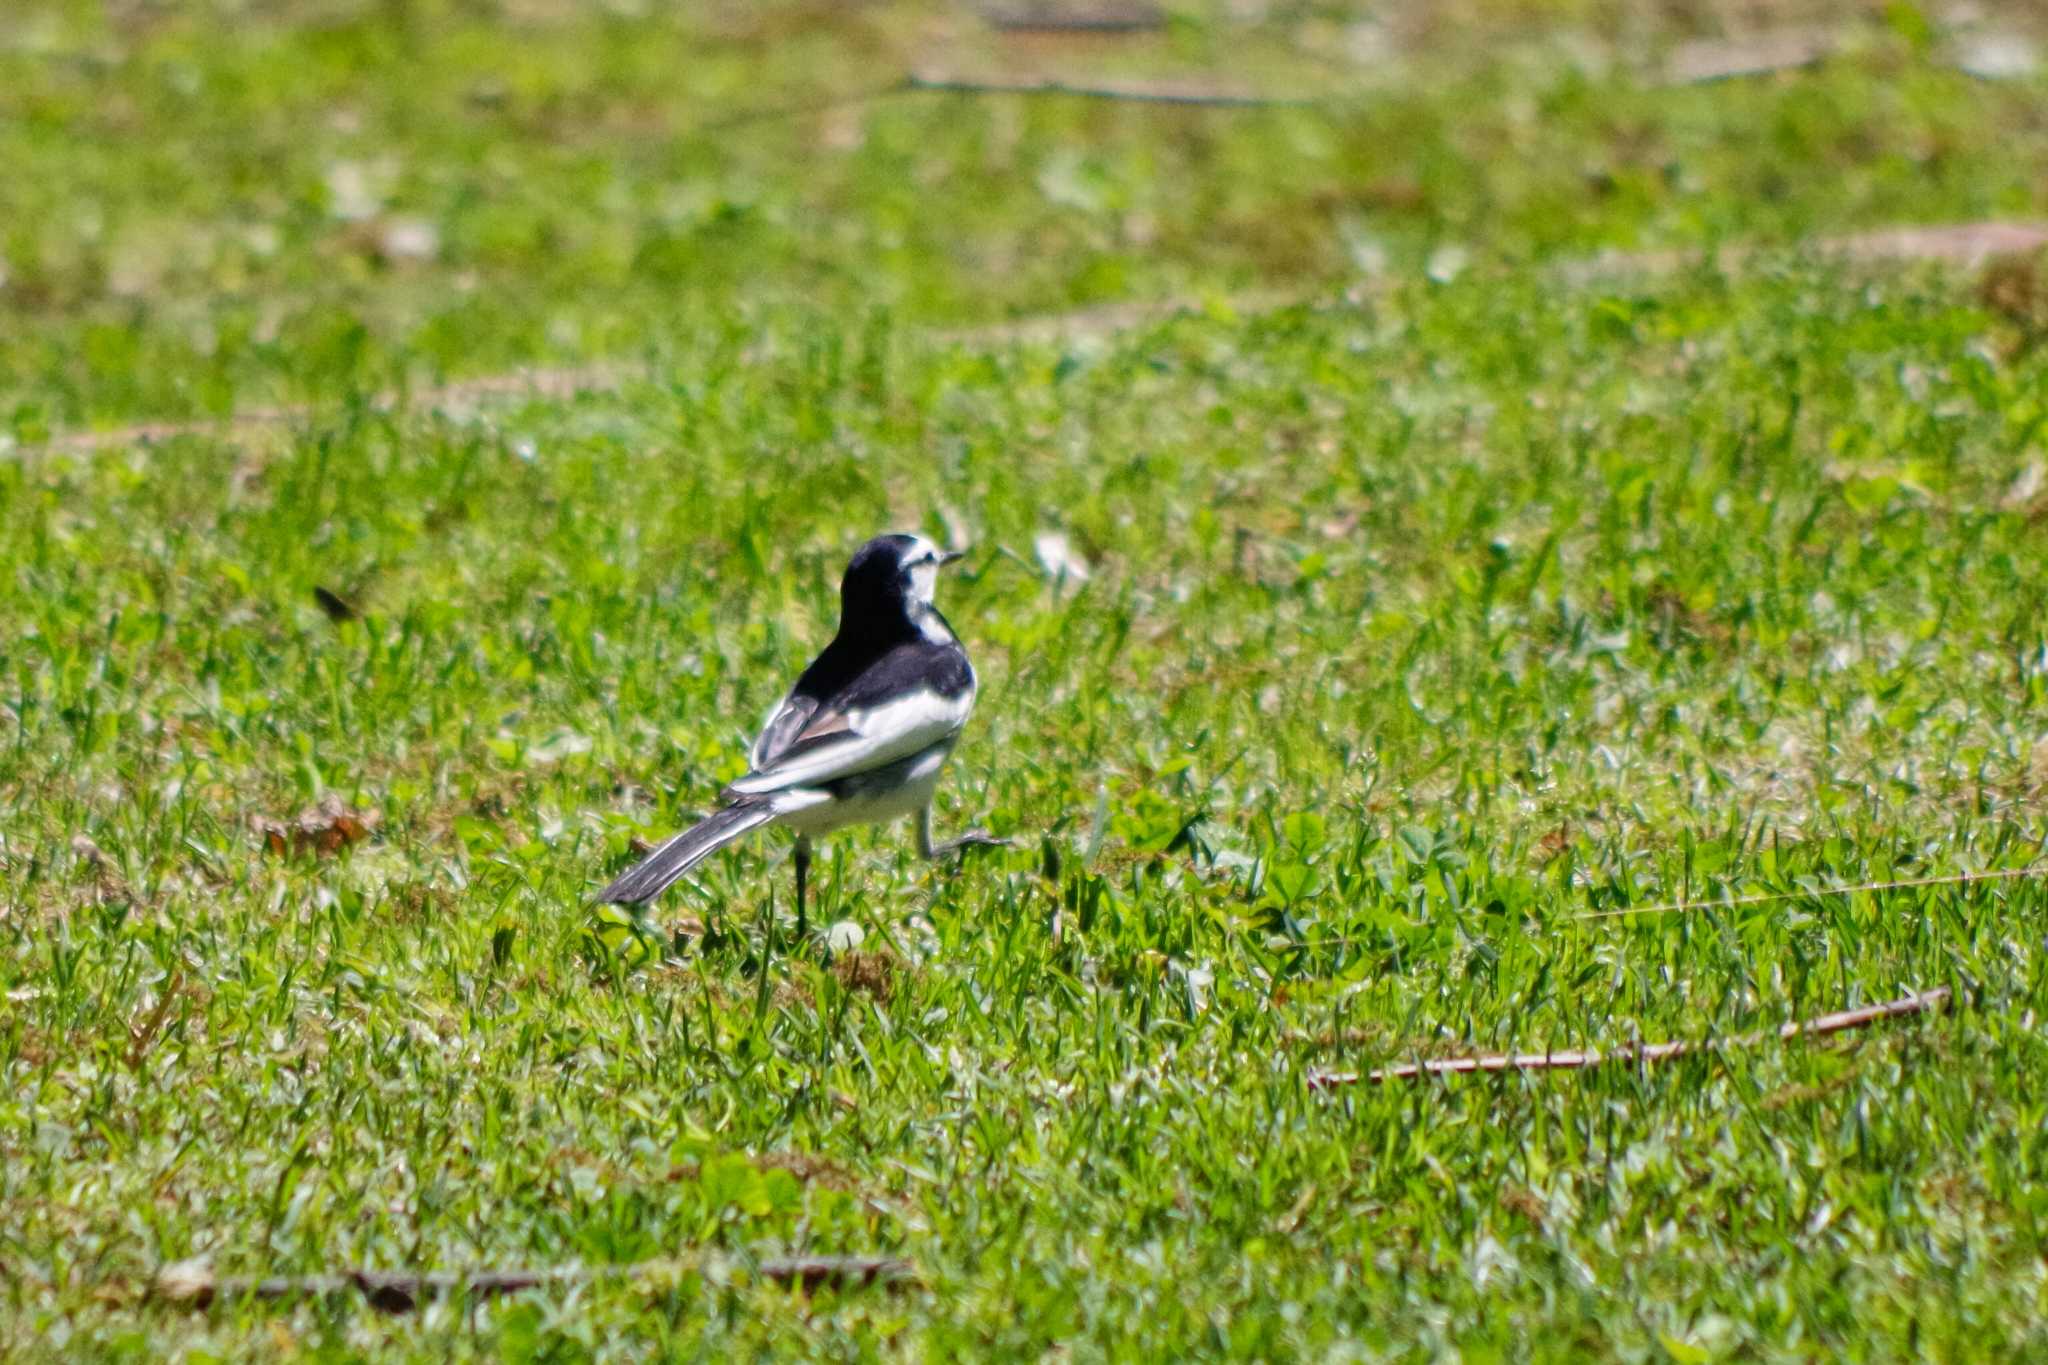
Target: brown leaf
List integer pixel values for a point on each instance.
(322, 829)
(869, 974)
(1525, 1202)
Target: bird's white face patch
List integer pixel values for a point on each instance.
(924, 583)
(921, 570)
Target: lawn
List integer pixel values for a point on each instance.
(1467, 505)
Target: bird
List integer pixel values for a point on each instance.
(859, 739)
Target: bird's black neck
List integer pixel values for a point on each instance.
(871, 632)
(863, 638)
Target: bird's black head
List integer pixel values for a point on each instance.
(892, 577)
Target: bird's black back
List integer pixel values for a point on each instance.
(879, 653)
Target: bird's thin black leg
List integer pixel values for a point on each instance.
(803, 872)
(973, 838)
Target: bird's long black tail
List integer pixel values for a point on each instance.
(658, 871)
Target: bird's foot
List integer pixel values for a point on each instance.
(973, 838)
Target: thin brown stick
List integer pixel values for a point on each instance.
(1106, 318)
(1989, 56)
(525, 383)
(1927, 1002)
(194, 1286)
(1108, 18)
(1706, 60)
(1964, 245)
(1203, 96)
(1999, 874)
(943, 83)
(823, 104)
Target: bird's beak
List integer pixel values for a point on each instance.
(949, 556)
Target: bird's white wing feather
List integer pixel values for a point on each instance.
(780, 727)
(872, 737)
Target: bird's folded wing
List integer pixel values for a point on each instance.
(836, 743)
(784, 726)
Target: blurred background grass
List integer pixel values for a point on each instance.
(214, 206)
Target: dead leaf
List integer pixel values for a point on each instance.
(184, 1282)
(808, 1167)
(142, 1035)
(2025, 488)
(323, 829)
(1755, 54)
(1525, 1202)
(337, 607)
(1996, 56)
(1059, 558)
(869, 974)
(1339, 527)
(1291, 1219)
(408, 239)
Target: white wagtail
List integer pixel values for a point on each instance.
(861, 737)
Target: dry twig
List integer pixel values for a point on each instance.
(1757, 54)
(1997, 874)
(1105, 18)
(1928, 1002)
(529, 383)
(1149, 93)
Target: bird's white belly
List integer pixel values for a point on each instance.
(888, 793)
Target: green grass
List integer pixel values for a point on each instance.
(197, 204)
(1416, 627)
